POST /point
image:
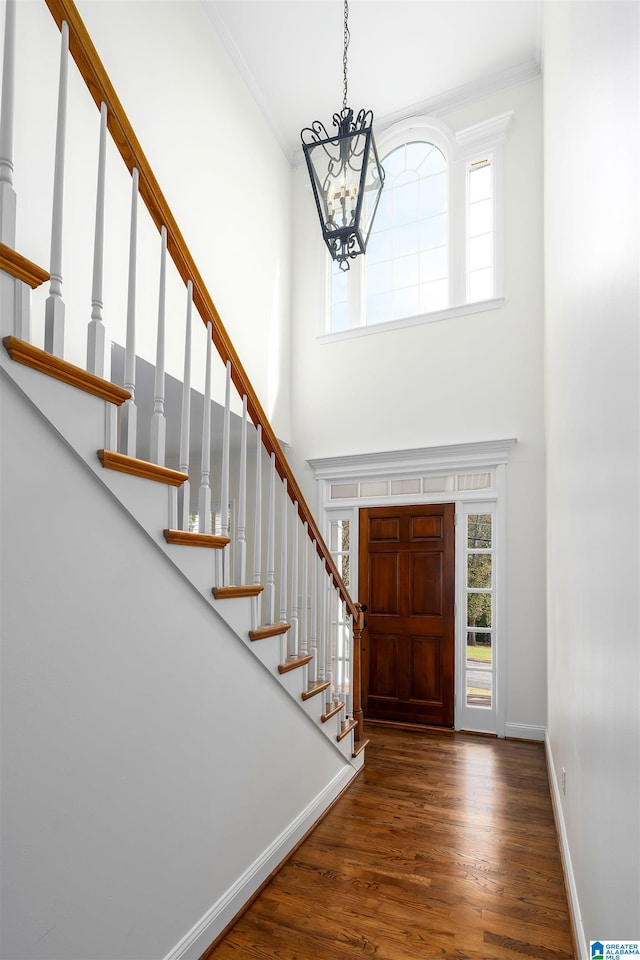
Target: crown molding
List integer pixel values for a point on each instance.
(454, 456)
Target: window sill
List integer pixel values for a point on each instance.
(460, 311)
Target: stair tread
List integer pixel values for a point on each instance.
(358, 746)
(336, 708)
(188, 538)
(141, 468)
(229, 593)
(269, 630)
(315, 687)
(30, 356)
(346, 727)
(292, 663)
(22, 269)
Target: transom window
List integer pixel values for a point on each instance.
(434, 246)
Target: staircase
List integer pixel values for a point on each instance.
(254, 597)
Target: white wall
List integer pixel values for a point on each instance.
(146, 754)
(225, 177)
(475, 377)
(591, 110)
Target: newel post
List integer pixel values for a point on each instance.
(358, 715)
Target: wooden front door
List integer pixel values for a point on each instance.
(407, 579)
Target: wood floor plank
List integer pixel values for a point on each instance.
(445, 847)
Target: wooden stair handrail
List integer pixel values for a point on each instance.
(101, 89)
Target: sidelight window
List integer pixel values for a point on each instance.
(480, 594)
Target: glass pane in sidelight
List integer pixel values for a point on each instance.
(479, 610)
(480, 217)
(480, 183)
(480, 285)
(479, 688)
(479, 570)
(478, 648)
(479, 531)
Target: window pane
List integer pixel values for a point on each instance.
(433, 195)
(379, 246)
(433, 232)
(394, 163)
(478, 649)
(384, 211)
(339, 537)
(479, 531)
(379, 278)
(406, 303)
(478, 609)
(406, 271)
(479, 570)
(480, 217)
(339, 317)
(480, 285)
(338, 285)
(417, 152)
(480, 183)
(406, 239)
(379, 308)
(406, 202)
(434, 264)
(434, 296)
(479, 688)
(481, 251)
(434, 163)
(342, 563)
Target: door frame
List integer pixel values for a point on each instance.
(472, 474)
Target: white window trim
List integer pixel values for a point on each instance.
(484, 456)
(460, 150)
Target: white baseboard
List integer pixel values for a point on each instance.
(204, 932)
(570, 882)
(524, 731)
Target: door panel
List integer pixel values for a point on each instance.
(407, 572)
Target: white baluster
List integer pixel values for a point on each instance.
(303, 642)
(283, 559)
(128, 410)
(322, 619)
(313, 643)
(241, 545)
(257, 543)
(158, 420)
(184, 492)
(270, 586)
(54, 306)
(293, 637)
(347, 651)
(327, 635)
(95, 335)
(204, 494)
(7, 193)
(223, 555)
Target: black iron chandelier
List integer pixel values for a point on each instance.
(345, 173)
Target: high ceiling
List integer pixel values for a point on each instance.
(402, 54)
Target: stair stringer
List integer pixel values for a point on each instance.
(79, 419)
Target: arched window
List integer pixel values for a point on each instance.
(407, 262)
(434, 247)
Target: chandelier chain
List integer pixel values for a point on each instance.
(347, 36)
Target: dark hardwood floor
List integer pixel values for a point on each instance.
(445, 846)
